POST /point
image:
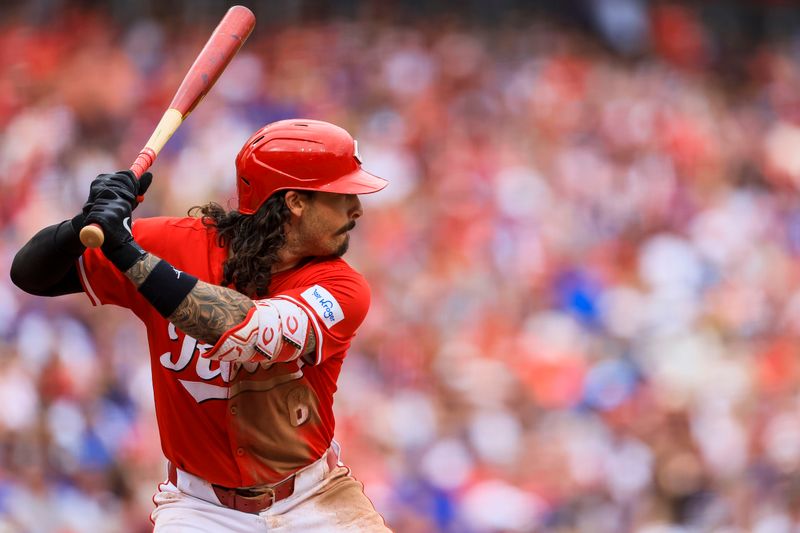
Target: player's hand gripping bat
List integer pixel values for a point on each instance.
(223, 44)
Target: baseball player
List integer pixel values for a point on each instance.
(243, 387)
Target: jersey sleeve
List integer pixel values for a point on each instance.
(102, 282)
(336, 307)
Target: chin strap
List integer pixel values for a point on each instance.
(274, 330)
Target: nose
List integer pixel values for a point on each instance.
(355, 210)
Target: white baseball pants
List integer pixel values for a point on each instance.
(324, 500)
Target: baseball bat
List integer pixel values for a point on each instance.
(223, 44)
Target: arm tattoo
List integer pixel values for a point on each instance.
(207, 312)
(141, 269)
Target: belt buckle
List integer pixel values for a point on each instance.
(271, 492)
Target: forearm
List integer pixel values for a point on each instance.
(206, 312)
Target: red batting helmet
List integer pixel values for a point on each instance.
(300, 154)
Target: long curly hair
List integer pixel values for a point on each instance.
(253, 241)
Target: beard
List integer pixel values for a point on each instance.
(342, 249)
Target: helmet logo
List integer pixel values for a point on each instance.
(355, 152)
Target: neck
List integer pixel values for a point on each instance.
(285, 263)
(289, 255)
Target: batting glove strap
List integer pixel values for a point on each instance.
(125, 255)
(274, 330)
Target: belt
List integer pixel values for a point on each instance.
(253, 500)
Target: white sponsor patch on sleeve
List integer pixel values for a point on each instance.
(324, 304)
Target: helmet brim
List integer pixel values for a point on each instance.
(358, 182)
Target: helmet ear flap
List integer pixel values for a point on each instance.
(244, 193)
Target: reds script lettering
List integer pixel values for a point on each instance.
(208, 369)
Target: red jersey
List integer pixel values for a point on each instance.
(235, 424)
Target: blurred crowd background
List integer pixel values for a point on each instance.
(585, 298)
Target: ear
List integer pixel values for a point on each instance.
(297, 202)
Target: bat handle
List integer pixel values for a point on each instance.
(92, 234)
(143, 161)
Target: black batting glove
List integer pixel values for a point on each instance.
(121, 185)
(113, 214)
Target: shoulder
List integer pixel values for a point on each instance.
(159, 224)
(160, 230)
(185, 242)
(337, 293)
(316, 270)
(331, 266)
(334, 272)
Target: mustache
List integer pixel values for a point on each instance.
(347, 227)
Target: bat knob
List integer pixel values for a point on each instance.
(92, 236)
